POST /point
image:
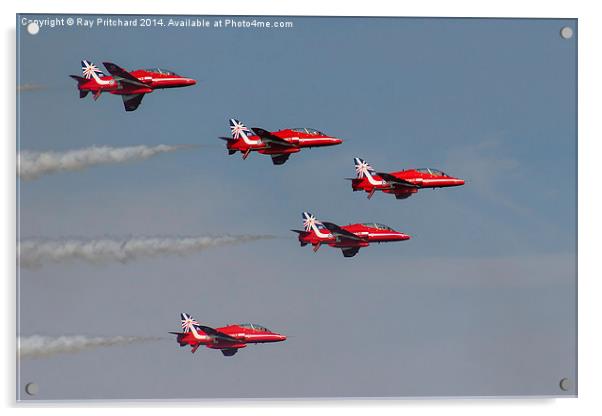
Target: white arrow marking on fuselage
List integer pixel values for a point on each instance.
(100, 81)
(374, 181)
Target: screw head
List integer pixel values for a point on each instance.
(31, 389)
(33, 28)
(566, 32)
(565, 384)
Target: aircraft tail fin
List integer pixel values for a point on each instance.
(310, 222)
(239, 130)
(188, 323)
(362, 168)
(89, 70)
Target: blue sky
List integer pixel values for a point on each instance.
(480, 302)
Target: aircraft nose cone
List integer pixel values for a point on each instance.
(338, 141)
(281, 337)
(190, 81)
(460, 181)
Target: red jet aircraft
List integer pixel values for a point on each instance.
(349, 238)
(402, 184)
(279, 144)
(229, 339)
(130, 85)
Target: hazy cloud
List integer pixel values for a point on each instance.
(34, 252)
(489, 171)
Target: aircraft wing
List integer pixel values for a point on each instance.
(350, 251)
(395, 181)
(403, 195)
(270, 138)
(280, 159)
(340, 233)
(121, 74)
(216, 334)
(131, 102)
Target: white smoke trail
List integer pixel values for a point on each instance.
(33, 164)
(34, 253)
(30, 87)
(37, 346)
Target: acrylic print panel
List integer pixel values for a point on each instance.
(143, 236)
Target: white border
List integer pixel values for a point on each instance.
(590, 28)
